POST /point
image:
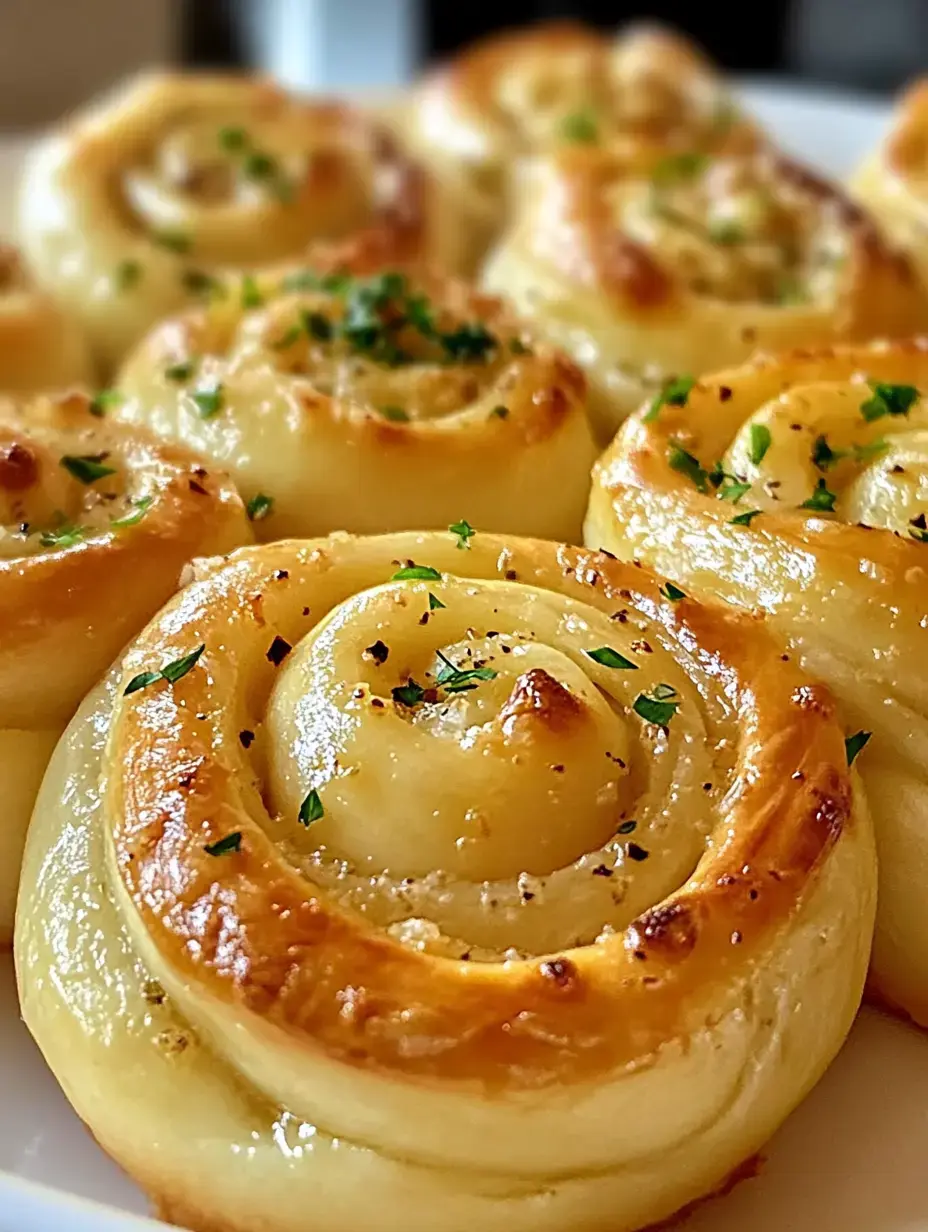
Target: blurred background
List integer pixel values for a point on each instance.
(54, 53)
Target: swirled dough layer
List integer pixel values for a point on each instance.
(446, 887)
(97, 521)
(645, 94)
(354, 394)
(798, 487)
(140, 203)
(651, 276)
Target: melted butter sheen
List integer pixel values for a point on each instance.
(249, 922)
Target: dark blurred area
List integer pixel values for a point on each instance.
(56, 53)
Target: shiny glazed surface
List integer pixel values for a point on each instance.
(646, 275)
(40, 347)
(356, 394)
(466, 1015)
(133, 207)
(87, 555)
(830, 447)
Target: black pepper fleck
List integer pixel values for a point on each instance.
(278, 650)
(378, 652)
(247, 738)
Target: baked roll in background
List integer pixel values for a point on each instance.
(892, 182)
(41, 347)
(649, 277)
(135, 205)
(356, 394)
(97, 521)
(797, 487)
(646, 93)
(465, 880)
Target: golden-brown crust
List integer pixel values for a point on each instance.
(162, 187)
(891, 180)
(245, 932)
(40, 348)
(826, 539)
(693, 264)
(387, 431)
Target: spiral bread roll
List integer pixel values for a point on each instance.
(893, 181)
(644, 94)
(798, 487)
(96, 523)
(40, 347)
(647, 277)
(461, 884)
(354, 395)
(134, 206)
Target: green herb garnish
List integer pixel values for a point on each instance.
(174, 241)
(225, 846)
(409, 694)
(679, 167)
(87, 468)
(500, 412)
(171, 672)
(659, 706)
(64, 536)
(128, 274)
(733, 490)
(456, 680)
(888, 400)
(687, 464)
(608, 657)
(311, 809)
(251, 296)
(580, 126)
(673, 593)
(760, 443)
(435, 602)
(854, 744)
(421, 573)
(464, 532)
(821, 499)
(180, 372)
(259, 507)
(674, 393)
(395, 414)
(141, 507)
(103, 399)
(725, 231)
(208, 399)
(744, 519)
(232, 139)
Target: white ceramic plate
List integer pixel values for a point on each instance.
(851, 1159)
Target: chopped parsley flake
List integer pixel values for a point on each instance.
(435, 602)
(725, 231)
(259, 507)
(232, 139)
(607, 657)
(208, 399)
(311, 809)
(674, 393)
(500, 412)
(733, 490)
(87, 468)
(688, 465)
(760, 443)
(744, 519)
(421, 573)
(821, 500)
(64, 536)
(409, 694)
(395, 414)
(659, 706)
(174, 241)
(464, 532)
(142, 506)
(673, 593)
(888, 400)
(251, 296)
(679, 167)
(225, 846)
(918, 528)
(855, 744)
(103, 400)
(457, 680)
(171, 672)
(128, 274)
(580, 126)
(180, 372)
